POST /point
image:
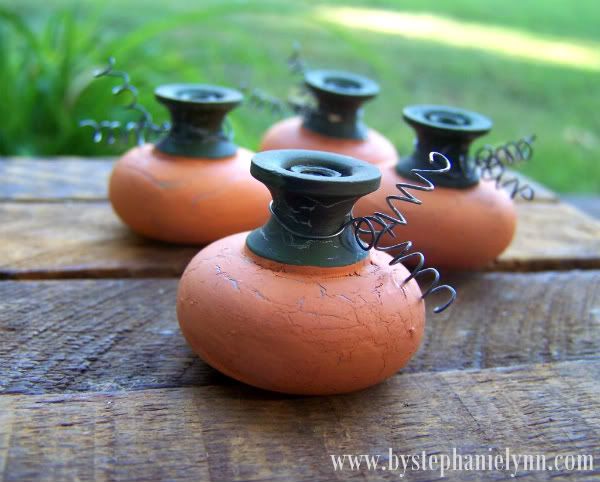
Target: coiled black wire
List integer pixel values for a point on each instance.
(365, 226)
(299, 101)
(113, 131)
(296, 63)
(261, 100)
(492, 162)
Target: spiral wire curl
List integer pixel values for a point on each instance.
(492, 162)
(296, 63)
(261, 100)
(299, 101)
(111, 131)
(376, 225)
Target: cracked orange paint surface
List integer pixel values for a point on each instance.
(289, 134)
(456, 229)
(299, 329)
(187, 200)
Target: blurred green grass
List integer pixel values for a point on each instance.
(233, 41)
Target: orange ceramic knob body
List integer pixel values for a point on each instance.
(194, 186)
(299, 329)
(456, 229)
(291, 308)
(187, 200)
(466, 222)
(335, 123)
(291, 134)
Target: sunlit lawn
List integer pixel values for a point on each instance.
(532, 66)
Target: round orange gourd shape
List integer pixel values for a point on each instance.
(194, 185)
(466, 222)
(297, 306)
(335, 123)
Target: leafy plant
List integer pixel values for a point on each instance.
(44, 74)
(47, 84)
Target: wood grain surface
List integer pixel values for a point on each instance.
(102, 335)
(97, 383)
(75, 178)
(541, 193)
(79, 240)
(237, 433)
(55, 179)
(552, 237)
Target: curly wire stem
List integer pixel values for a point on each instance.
(296, 63)
(261, 100)
(492, 162)
(297, 103)
(366, 225)
(111, 131)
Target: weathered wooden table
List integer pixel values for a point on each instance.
(97, 382)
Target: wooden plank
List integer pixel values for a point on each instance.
(54, 179)
(79, 240)
(102, 335)
(552, 237)
(93, 335)
(589, 204)
(237, 433)
(76, 178)
(542, 193)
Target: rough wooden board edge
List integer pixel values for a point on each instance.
(65, 158)
(89, 273)
(237, 433)
(551, 236)
(66, 199)
(94, 186)
(542, 193)
(123, 334)
(542, 265)
(80, 240)
(55, 179)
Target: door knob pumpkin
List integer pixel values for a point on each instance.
(194, 185)
(299, 305)
(335, 124)
(467, 221)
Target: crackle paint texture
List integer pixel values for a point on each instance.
(299, 329)
(456, 229)
(290, 134)
(187, 200)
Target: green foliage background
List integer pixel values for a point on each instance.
(48, 51)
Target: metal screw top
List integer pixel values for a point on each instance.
(313, 195)
(198, 113)
(339, 96)
(448, 130)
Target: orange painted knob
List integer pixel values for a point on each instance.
(335, 123)
(194, 185)
(297, 306)
(299, 329)
(187, 200)
(290, 134)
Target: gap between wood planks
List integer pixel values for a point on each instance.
(76, 240)
(85, 179)
(206, 433)
(105, 335)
